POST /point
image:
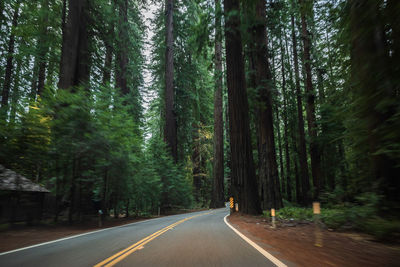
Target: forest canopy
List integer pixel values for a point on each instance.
(133, 107)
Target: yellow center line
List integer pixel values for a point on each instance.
(131, 247)
(129, 250)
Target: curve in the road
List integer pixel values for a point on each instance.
(166, 241)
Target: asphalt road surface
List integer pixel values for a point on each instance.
(192, 239)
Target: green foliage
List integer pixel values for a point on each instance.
(193, 86)
(173, 181)
(383, 229)
(361, 216)
(91, 144)
(295, 213)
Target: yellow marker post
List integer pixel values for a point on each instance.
(318, 233)
(231, 204)
(273, 218)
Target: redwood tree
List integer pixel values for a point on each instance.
(10, 58)
(306, 9)
(74, 70)
(268, 168)
(170, 131)
(74, 66)
(217, 199)
(302, 192)
(244, 186)
(122, 50)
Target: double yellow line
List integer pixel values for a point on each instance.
(114, 259)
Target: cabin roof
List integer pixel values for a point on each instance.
(12, 181)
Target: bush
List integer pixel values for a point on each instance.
(382, 229)
(295, 213)
(333, 218)
(361, 216)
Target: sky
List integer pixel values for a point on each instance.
(149, 15)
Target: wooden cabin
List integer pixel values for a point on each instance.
(20, 198)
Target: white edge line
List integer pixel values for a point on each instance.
(257, 247)
(74, 236)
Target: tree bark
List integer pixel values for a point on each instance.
(122, 53)
(170, 131)
(10, 58)
(282, 171)
(196, 162)
(244, 186)
(39, 72)
(74, 67)
(304, 194)
(262, 79)
(285, 122)
(306, 9)
(44, 48)
(217, 200)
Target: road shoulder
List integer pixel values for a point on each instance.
(296, 244)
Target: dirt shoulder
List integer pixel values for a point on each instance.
(294, 244)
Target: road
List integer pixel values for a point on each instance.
(193, 239)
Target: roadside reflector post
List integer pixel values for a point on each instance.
(273, 218)
(317, 215)
(236, 207)
(231, 204)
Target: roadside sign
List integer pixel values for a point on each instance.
(231, 202)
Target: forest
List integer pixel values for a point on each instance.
(277, 103)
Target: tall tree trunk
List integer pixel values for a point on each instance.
(10, 58)
(304, 195)
(74, 67)
(285, 122)
(327, 150)
(376, 100)
(217, 200)
(227, 141)
(170, 131)
(39, 68)
(196, 162)
(282, 174)
(306, 9)
(122, 53)
(244, 184)
(268, 167)
(43, 48)
(64, 36)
